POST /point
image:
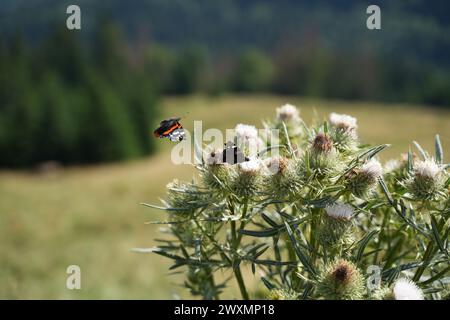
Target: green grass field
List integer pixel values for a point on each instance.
(91, 217)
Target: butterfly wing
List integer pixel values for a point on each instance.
(177, 134)
(171, 129)
(232, 154)
(228, 156)
(239, 156)
(163, 127)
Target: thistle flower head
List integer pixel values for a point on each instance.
(344, 134)
(427, 180)
(427, 169)
(282, 180)
(277, 165)
(217, 176)
(340, 211)
(214, 157)
(246, 132)
(341, 280)
(322, 143)
(372, 169)
(342, 272)
(250, 167)
(247, 178)
(336, 230)
(360, 181)
(405, 289)
(288, 113)
(343, 121)
(247, 139)
(184, 198)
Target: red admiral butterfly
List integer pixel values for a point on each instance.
(232, 155)
(170, 128)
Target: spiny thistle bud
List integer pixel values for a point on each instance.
(281, 181)
(341, 280)
(288, 123)
(344, 131)
(360, 181)
(336, 229)
(216, 174)
(247, 178)
(405, 289)
(185, 198)
(427, 179)
(282, 294)
(288, 113)
(321, 157)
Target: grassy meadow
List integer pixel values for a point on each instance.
(91, 217)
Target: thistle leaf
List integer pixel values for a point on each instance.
(438, 150)
(422, 152)
(267, 283)
(302, 257)
(363, 244)
(437, 237)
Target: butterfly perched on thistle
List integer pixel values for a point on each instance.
(231, 154)
(171, 129)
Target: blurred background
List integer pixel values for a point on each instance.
(77, 108)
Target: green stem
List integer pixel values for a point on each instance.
(235, 239)
(213, 283)
(209, 270)
(312, 236)
(237, 268)
(386, 218)
(243, 223)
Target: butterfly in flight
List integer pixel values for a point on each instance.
(171, 129)
(232, 155)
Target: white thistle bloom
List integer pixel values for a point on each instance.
(426, 169)
(340, 211)
(391, 165)
(254, 165)
(246, 132)
(288, 112)
(214, 157)
(343, 121)
(405, 289)
(372, 169)
(276, 164)
(247, 139)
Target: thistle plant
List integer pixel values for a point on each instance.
(310, 221)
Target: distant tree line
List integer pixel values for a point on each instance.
(60, 102)
(312, 71)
